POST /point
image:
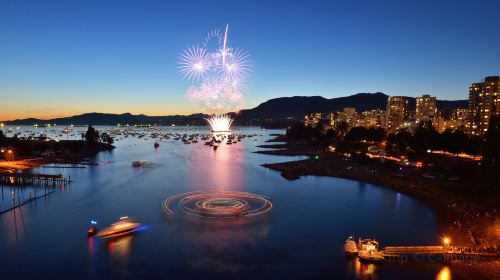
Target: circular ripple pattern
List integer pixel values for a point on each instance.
(217, 204)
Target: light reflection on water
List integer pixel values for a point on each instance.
(444, 274)
(302, 237)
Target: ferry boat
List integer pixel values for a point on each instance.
(350, 246)
(368, 251)
(370, 256)
(124, 226)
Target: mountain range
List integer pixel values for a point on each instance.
(276, 109)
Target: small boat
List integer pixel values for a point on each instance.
(91, 231)
(141, 163)
(350, 247)
(124, 226)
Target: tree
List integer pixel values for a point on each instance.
(426, 137)
(92, 136)
(398, 143)
(454, 142)
(357, 133)
(341, 129)
(474, 146)
(491, 150)
(491, 154)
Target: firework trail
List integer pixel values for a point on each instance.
(217, 73)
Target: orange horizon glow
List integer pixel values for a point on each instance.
(14, 113)
(45, 110)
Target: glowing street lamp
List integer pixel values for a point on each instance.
(446, 241)
(11, 154)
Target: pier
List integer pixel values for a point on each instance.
(32, 179)
(433, 253)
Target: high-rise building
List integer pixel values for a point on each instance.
(426, 108)
(397, 112)
(484, 102)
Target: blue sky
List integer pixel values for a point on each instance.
(67, 57)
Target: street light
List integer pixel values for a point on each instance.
(10, 152)
(446, 241)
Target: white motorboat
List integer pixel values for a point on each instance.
(124, 226)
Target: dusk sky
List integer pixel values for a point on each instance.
(60, 58)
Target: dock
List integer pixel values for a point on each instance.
(432, 253)
(22, 179)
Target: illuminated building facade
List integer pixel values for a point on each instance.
(373, 118)
(425, 108)
(397, 113)
(484, 102)
(451, 119)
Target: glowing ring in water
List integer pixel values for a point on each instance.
(217, 204)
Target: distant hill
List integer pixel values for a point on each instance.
(296, 107)
(114, 119)
(276, 109)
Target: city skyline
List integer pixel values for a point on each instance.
(62, 62)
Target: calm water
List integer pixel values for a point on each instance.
(302, 238)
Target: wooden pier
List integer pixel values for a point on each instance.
(32, 179)
(414, 250)
(431, 254)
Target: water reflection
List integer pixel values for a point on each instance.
(223, 171)
(221, 243)
(362, 270)
(444, 274)
(119, 248)
(15, 221)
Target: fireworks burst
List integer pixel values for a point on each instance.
(194, 63)
(220, 123)
(217, 73)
